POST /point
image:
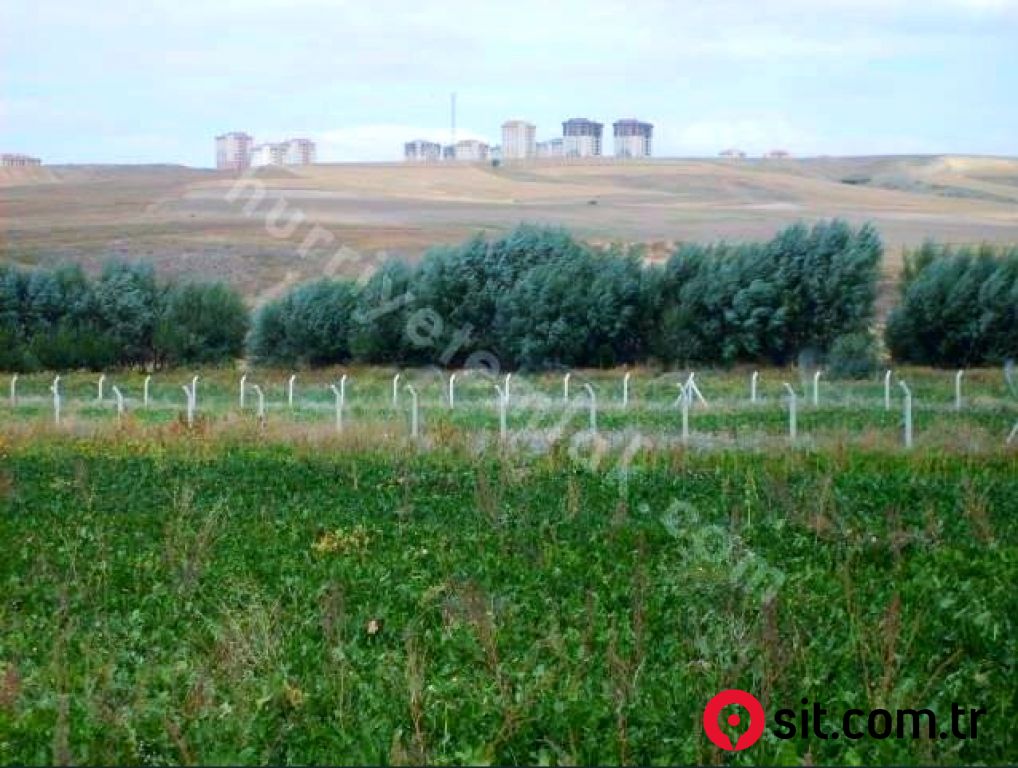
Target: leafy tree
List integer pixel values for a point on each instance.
(127, 303)
(853, 356)
(379, 321)
(311, 325)
(800, 291)
(62, 320)
(958, 307)
(200, 323)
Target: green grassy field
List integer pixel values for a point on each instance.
(233, 593)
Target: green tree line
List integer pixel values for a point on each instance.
(62, 319)
(538, 298)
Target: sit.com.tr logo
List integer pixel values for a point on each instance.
(818, 722)
(753, 708)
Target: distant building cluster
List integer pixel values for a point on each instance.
(738, 154)
(19, 161)
(580, 138)
(236, 151)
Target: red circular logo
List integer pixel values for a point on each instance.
(712, 713)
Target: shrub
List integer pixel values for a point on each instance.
(772, 301)
(853, 356)
(61, 320)
(958, 307)
(201, 323)
(310, 325)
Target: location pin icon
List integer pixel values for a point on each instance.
(750, 722)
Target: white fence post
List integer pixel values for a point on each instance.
(887, 391)
(793, 427)
(752, 386)
(593, 407)
(120, 404)
(289, 391)
(957, 389)
(188, 391)
(565, 387)
(194, 392)
(625, 389)
(691, 384)
(261, 403)
(14, 391)
(508, 376)
(685, 400)
(55, 389)
(415, 430)
(342, 398)
(340, 394)
(908, 413)
(144, 395)
(452, 391)
(102, 380)
(243, 390)
(816, 388)
(395, 390)
(503, 418)
(339, 407)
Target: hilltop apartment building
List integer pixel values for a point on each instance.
(237, 151)
(422, 151)
(551, 148)
(471, 151)
(233, 151)
(301, 152)
(582, 137)
(518, 140)
(19, 161)
(633, 138)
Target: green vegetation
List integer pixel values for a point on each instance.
(537, 298)
(181, 600)
(61, 320)
(958, 307)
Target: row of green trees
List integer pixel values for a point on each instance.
(959, 306)
(539, 298)
(62, 319)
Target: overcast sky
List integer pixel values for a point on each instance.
(135, 81)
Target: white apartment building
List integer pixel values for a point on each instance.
(422, 151)
(16, 160)
(300, 152)
(551, 148)
(633, 138)
(233, 151)
(518, 140)
(268, 154)
(582, 137)
(471, 151)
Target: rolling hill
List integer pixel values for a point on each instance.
(184, 220)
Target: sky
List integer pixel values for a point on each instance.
(130, 81)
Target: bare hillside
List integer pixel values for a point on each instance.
(184, 220)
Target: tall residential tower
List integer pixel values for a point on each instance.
(633, 138)
(582, 137)
(518, 140)
(233, 151)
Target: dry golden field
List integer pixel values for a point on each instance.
(182, 220)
